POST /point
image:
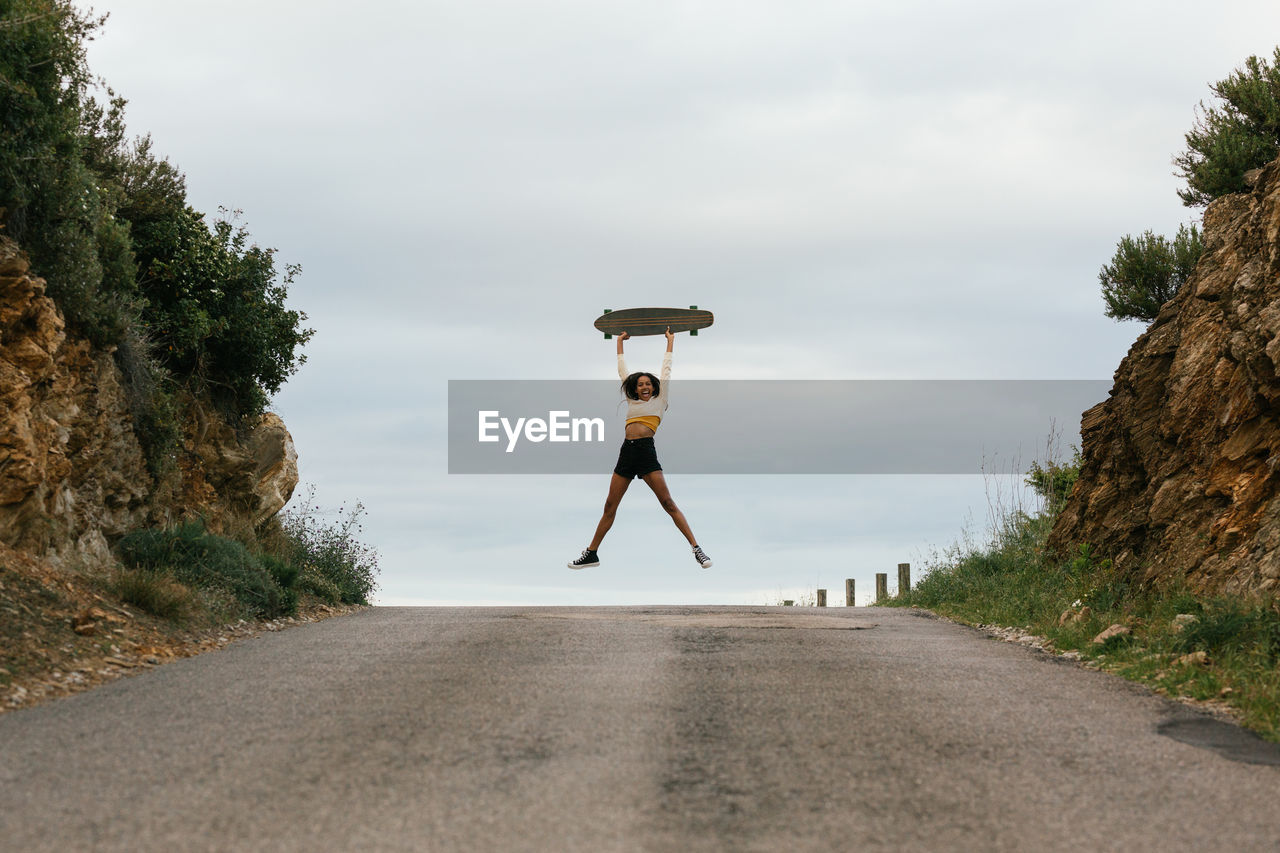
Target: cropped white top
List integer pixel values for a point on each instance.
(648, 412)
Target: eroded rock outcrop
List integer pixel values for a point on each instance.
(1181, 473)
(72, 475)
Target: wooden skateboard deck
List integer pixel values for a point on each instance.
(653, 321)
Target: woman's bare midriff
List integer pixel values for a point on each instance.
(638, 431)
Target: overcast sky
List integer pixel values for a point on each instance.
(858, 190)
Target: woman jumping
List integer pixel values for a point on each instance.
(646, 401)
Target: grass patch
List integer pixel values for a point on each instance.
(155, 592)
(1219, 649)
(192, 556)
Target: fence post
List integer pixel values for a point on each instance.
(822, 598)
(848, 592)
(882, 586)
(904, 578)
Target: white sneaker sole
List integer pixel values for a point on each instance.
(583, 566)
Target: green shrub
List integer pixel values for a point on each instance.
(1054, 481)
(195, 557)
(312, 582)
(148, 392)
(52, 202)
(330, 553)
(1239, 133)
(106, 223)
(286, 577)
(1147, 272)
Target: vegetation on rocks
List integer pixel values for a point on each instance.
(196, 558)
(190, 304)
(172, 572)
(192, 312)
(1238, 133)
(1147, 271)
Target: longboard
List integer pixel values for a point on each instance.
(653, 321)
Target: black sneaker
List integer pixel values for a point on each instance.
(703, 559)
(586, 561)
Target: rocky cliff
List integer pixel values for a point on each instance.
(72, 475)
(1181, 473)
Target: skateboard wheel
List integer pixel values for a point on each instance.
(608, 337)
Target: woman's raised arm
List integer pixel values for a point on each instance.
(622, 363)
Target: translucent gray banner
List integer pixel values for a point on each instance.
(768, 426)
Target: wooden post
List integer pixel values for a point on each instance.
(848, 593)
(882, 586)
(822, 598)
(904, 578)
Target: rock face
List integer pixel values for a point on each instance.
(1181, 473)
(72, 475)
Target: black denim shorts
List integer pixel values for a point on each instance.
(637, 458)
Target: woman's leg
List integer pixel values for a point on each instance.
(617, 488)
(658, 483)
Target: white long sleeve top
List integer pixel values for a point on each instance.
(648, 412)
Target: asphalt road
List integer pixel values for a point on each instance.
(663, 729)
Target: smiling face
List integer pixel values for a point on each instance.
(644, 388)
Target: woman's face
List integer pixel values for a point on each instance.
(644, 387)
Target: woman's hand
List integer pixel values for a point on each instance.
(622, 336)
(671, 339)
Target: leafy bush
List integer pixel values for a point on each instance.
(107, 224)
(149, 394)
(331, 556)
(198, 558)
(312, 582)
(1146, 272)
(1054, 481)
(1240, 133)
(286, 577)
(51, 201)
